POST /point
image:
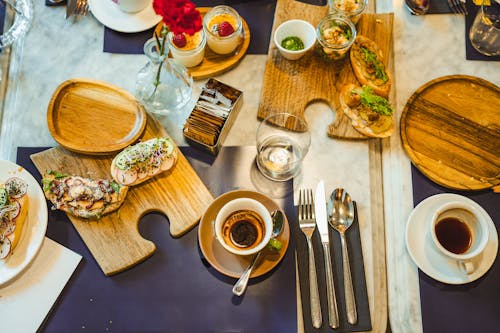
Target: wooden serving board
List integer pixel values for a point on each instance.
(114, 240)
(214, 64)
(450, 128)
(290, 86)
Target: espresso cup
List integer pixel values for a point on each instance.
(243, 226)
(132, 6)
(460, 232)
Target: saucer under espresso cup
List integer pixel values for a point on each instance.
(433, 262)
(459, 232)
(243, 226)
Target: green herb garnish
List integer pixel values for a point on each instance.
(292, 43)
(56, 174)
(347, 34)
(115, 186)
(375, 102)
(371, 58)
(4, 196)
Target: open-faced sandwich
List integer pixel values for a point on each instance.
(83, 197)
(368, 66)
(14, 204)
(370, 114)
(144, 160)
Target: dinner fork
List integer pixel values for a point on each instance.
(82, 7)
(307, 224)
(457, 6)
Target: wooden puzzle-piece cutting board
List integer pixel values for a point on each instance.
(290, 86)
(114, 240)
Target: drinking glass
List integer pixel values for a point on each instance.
(283, 141)
(484, 33)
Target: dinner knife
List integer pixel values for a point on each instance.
(322, 223)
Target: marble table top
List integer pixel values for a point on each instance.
(425, 47)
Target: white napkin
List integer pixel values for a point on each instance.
(26, 301)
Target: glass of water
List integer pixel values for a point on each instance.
(283, 141)
(484, 33)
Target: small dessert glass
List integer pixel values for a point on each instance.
(212, 20)
(335, 34)
(348, 8)
(192, 53)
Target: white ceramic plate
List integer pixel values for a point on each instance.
(425, 254)
(108, 13)
(34, 228)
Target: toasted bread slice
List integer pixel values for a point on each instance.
(83, 197)
(144, 160)
(368, 65)
(363, 116)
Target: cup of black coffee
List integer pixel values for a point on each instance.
(243, 226)
(460, 232)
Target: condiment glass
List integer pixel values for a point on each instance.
(215, 16)
(23, 10)
(283, 141)
(335, 34)
(484, 33)
(348, 8)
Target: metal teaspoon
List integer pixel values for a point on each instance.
(241, 285)
(341, 216)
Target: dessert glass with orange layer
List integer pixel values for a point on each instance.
(223, 29)
(188, 50)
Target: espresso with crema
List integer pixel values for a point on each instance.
(243, 229)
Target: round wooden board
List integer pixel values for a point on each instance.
(228, 263)
(213, 63)
(93, 117)
(450, 128)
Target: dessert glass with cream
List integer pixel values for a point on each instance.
(223, 29)
(187, 50)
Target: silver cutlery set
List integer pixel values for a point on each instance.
(338, 211)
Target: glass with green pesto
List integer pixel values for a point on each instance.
(335, 36)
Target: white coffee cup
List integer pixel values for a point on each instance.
(224, 225)
(132, 6)
(451, 224)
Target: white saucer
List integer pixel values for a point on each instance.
(108, 13)
(425, 254)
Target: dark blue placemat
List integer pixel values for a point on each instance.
(259, 14)
(471, 307)
(353, 239)
(470, 52)
(2, 16)
(175, 290)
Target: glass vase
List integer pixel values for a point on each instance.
(162, 85)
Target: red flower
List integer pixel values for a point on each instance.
(181, 16)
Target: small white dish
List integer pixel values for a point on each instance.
(109, 14)
(34, 227)
(295, 28)
(427, 257)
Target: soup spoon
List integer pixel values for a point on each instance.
(341, 218)
(241, 285)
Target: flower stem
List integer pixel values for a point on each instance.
(161, 52)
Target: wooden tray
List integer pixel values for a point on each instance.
(450, 128)
(114, 240)
(215, 64)
(293, 85)
(93, 117)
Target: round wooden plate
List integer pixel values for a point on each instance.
(450, 128)
(94, 117)
(230, 264)
(213, 63)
